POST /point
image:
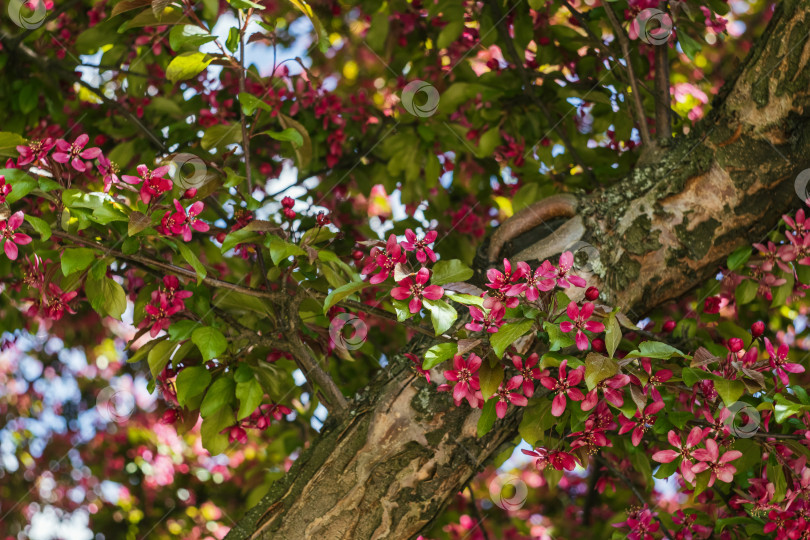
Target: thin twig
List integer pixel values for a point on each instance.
(641, 118)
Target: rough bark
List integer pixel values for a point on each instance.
(389, 466)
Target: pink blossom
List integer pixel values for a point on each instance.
(528, 372)
(384, 261)
(72, 152)
(420, 246)
(710, 459)
(503, 280)
(564, 387)
(579, 322)
(779, 362)
(610, 389)
(416, 290)
(563, 273)
(5, 189)
(417, 366)
(641, 422)
(540, 280)
(465, 378)
(684, 451)
(154, 182)
(34, 152)
(11, 239)
(490, 320)
(506, 396)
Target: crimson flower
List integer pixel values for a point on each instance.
(5, 189)
(641, 523)
(538, 281)
(563, 387)
(490, 320)
(579, 322)
(11, 239)
(710, 459)
(385, 261)
(559, 460)
(183, 222)
(528, 372)
(75, 152)
(503, 280)
(57, 303)
(417, 366)
(563, 272)
(684, 451)
(592, 437)
(465, 378)
(416, 290)
(171, 288)
(610, 389)
(158, 313)
(505, 396)
(260, 418)
(641, 422)
(154, 183)
(236, 433)
(109, 172)
(420, 246)
(34, 152)
(660, 376)
(778, 361)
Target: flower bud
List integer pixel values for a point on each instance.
(599, 345)
(735, 344)
(712, 305)
(221, 237)
(287, 202)
(669, 326)
(592, 293)
(757, 329)
(289, 213)
(190, 193)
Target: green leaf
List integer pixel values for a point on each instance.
(241, 236)
(219, 394)
(281, 250)
(343, 292)
(181, 330)
(487, 419)
(192, 260)
(490, 379)
(729, 391)
(76, 259)
(598, 368)
(738, 258)
(250, 103)
(159, 356)
(188, 36)
(450, 272)
(665, 470)
(655, 349)
(210, 341)
(187, 65)
(21, 184)
(508, 334)
(691, 376)
(39, 225)
(641, 464)
(466, 299)
(303, 155)
(221, 135)
(232, 43)
(320, 34)
(557, 338)
(190, 382)
(537, 419)
(210, 432)
(746, 292)
(776, 474)
(9, 143)
(450, 33)
(689, 45)
(288, 135)
(250, 395)
(138, 221)
(613, 334)
(442, 315)
(438, 354)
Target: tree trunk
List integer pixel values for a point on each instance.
(388, 467)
